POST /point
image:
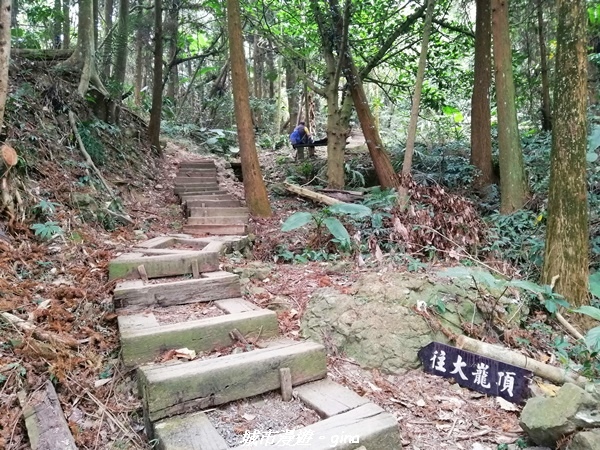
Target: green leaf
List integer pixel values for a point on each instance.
(212, 140)
(337, 229)
(529, 286)
(591, 157)
(351, 209)
(589, 311)
(296, 220)
(595, 284)
(592, 339)
(594, 139)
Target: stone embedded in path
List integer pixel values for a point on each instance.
(142, 342)
(170, 389)
(138, 293)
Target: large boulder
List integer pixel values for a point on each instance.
(376, 324)
(548, 419)
(585, 440)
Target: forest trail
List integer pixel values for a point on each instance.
(257, 359)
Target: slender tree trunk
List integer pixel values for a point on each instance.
(57, 25)
(66, 25)
(567, 246)
(139, 61)
(155, 112)
(95, 14)
(414, 113)
(513, 184)
(14, 13)
(291, 81)
(254, 186)
(481, 129)
(172, 35)
(121, 45)
(108, 37)
(546, 105)
(386, 174)
(5, 18)
(258, 79)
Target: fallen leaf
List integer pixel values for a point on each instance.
(102, 382)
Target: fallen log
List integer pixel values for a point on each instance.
(551, 373)
(45, 420)
(37, 54)
(315, 196)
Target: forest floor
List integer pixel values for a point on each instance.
(57, 279)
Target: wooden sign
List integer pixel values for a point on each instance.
(476, 372)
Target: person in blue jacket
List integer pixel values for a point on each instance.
(300, 135)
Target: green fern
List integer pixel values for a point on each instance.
(47, 230)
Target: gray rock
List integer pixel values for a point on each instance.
(547, 420)
(585, 440)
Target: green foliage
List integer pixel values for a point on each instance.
(215, 140)
(44, 209)
(92, 142)
(47, 230)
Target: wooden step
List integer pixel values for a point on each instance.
(143, 341)
(223, 220)
(137, 293)
(182, 181)
(169, 389)
(199, 192)
(219, 229)
(328, 398)
(192, 188)
(218, 212)
(207, 164)
(367, 425)
(216, 196)
(193, 262)
(189, 432)
(206, 203)
(197, 173)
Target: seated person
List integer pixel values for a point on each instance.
(301, 135)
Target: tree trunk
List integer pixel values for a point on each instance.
(481, 129)
(83, 57)
(108, 37)
(388, 179)
(254, 186)
(414, 113)
(546, 105)
(513, 184)
(258, 80)
(291, 81)
(57, 25)
(567, 246)
(139, 60)
(155, 112)
(5, 18)
(95, 13)
(121, 46)
(171, 36)
(14, 14)
(66, 25)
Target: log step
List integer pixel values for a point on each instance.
(218, 212)
(206, 164)
(191, 432)
(137, 293)
(222, 229)
(222, 220)
(128, 265)
(328, 398)
(197, 173)
(209, 203)
(170, 389)
(143, 340)
(367, 425)
(190, 189)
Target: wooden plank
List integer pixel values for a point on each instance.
(207, 289)
(216, 246)
(212, 203)
(206, 164)
(220, 196)
(205, 212)
(139, 346)
(180, 388)
(235, 305)
(328, 398)
(190, 432)
(125, 266)
(368, 426)
(210, 185)
(157, 242)
(45, 421)
(227, 220)
(224, 229)
(195, 179)
(187, 190)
